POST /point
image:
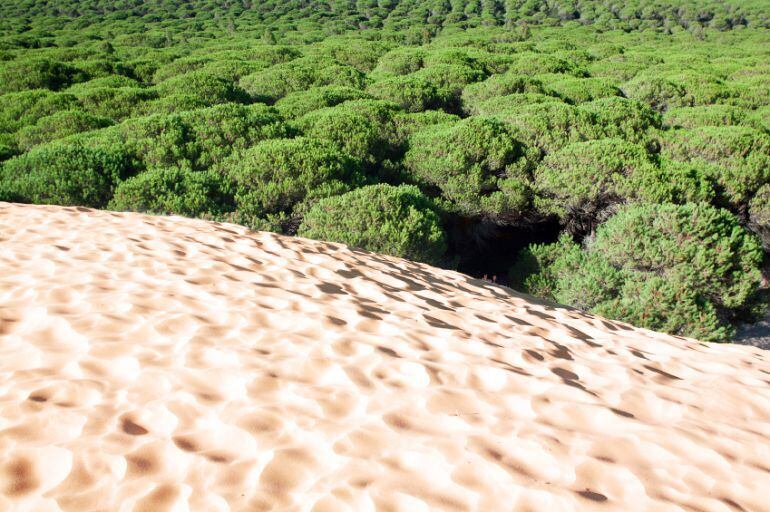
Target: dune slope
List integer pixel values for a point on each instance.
(161, 363)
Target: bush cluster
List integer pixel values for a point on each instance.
(631, 142)
(685, 269)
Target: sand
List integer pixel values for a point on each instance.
(161, 363)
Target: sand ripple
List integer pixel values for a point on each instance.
(161, 363)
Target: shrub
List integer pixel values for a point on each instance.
(498, 85)
(759, 215)
(344, 76)
(737, 157)
(276, 82)
(96, 68)
(180, 67)
(468, 57)
(284, 176)
(22, 75)
(116, 103)
(358, 53)
(702, 86)
(65, 174)
(624, 66)
(685, 270)
(499, 104)
(412, 93)
(398, 221)
(199, 138)
(659, 92)
(407, 124)
(174, 190)
(300, 103)
(450, 80)
(676, 182)
(760, 119)
(751, 92)
(707, 115)
(233, 69)
(207, 89)
(59, 125)
(549, 126)
(624, 118)
(363, 129)
(563, 272)
(179, 102)
(21, 109)
(7, 151)
(473, 164)
(271, 54)
(537, 63)
(582, 90)
(112, 81)
(580, 180)
(400, 61)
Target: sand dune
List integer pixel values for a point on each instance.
(161, 363)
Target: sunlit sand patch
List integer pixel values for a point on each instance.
(161, 363)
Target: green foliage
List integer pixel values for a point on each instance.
(284, 177)
(180, 66)
(477, 60)
(65, 174)
(233, 69)
(760, 119)
(111, 81)
(705, 115)
(582, 90)
(549, 126)
(537, 63)
(401, 61)
(684, 269)
(399, 221)
(18, 76)
(117, 103)
(509, 114)
(57, 126)
(472, 162)
(174, 190)
(499, 104)
(197, 139)
(363, 129)
(751, 92)
(737, 157)
(624, 118)
(276, 82)
(407, 124)
(21, 109)
(624, 65)
(300, 103)
(410, 92)
(450, 80)
(205, 88)
(498, 85)
(759, 215)
(354, 52)
(659, 92)
(582, 179)
(163, 23)
(6, 151)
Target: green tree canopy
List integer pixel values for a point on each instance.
(399, 221)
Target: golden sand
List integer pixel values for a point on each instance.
(161, 363)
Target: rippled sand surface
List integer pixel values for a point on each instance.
(160, 363)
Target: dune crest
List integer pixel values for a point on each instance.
(162, 363)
